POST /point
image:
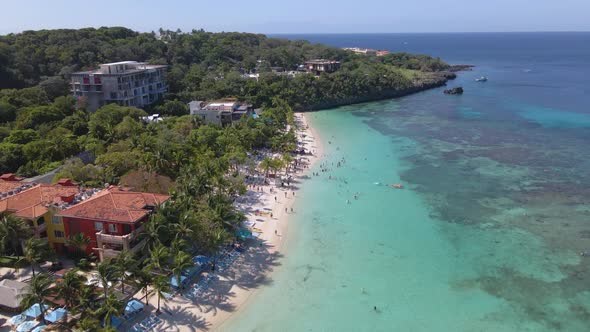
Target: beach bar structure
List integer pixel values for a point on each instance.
(318, 66)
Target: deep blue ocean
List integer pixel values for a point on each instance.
(486, 235)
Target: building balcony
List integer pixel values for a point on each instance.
(112, 245)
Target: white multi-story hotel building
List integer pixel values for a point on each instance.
(127, 83)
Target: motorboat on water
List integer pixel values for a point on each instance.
(397, 185)
(481, 79)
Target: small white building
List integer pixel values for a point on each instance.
(219, 112)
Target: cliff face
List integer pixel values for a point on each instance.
(426, 82)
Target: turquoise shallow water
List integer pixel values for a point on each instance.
(487, 234)
(386, 250)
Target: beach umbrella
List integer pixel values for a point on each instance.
(18, 319)
(116, 321)
(243, 233)
(190, 272)
(39, 328)
(133, 306)
(201, 260)
(174, 283)
(33, 311)
(56, 315)
(26, 326)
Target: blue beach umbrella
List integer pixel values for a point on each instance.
(39, 328)
(116, 321)
(34, 310)
(26, 326)
(18, 319)
(56, 315)
(201, 260)
(174, 282)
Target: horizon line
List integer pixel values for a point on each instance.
(311, 33)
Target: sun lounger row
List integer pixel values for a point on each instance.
(147, 324)
(196, 289)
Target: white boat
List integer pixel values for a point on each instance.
(481, 79)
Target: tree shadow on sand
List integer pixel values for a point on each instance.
(183, 319)
(250, 271)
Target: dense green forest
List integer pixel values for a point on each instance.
(41, 126)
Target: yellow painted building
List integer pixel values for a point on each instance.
(38, 204)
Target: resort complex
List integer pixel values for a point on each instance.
(156, 194)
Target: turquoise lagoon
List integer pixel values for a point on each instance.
(387, 249)
(486, 235)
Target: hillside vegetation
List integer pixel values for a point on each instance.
(41, 126)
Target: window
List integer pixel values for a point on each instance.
(112, 228)
(97, 80)
(58, 234)
(113, 95)
(40, 221)
(98, 226)
(55, 220)
(86, 80)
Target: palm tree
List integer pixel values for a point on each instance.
(12, 231)
(158, 257)
(286, 161)
(107, 272)
(144, 279)
(69, 288)
(152, 231)
(78, 242)
(111, 306)
(87, 324)
(87, 299)
(126, 264)
(36, 291)
(182, 261)
(185, 228)
(161, 286)
(35, 252)
(177, 245)
(266, 165)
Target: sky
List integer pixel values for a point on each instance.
(300, 16)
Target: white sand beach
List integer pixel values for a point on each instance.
(239, 282)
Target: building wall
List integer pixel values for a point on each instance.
(74, 226)
(209, 116)
(55, 224)
(136, 89)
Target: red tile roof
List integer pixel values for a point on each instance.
(6, 186)
(10, 177)
(115, 205)
(32, 203)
